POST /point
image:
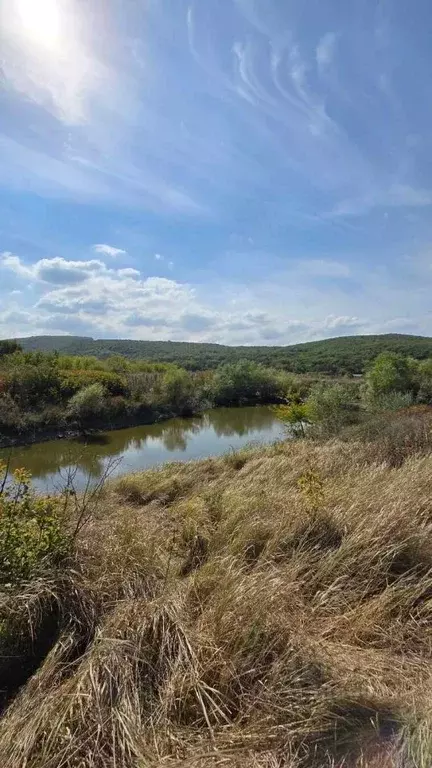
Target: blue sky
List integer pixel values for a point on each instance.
(238, 171)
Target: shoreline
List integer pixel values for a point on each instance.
(56, 433)
(71, 433)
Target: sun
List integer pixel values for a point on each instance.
(40, 21)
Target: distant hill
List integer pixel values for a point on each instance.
(346, 354)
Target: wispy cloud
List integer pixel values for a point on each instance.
(108, 250)
(161, 129)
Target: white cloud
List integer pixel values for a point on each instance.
(128, 272)
(158, 257)
(334, 322)
(88, 298)
(108, 250)
(15, 264)
(57, 270)
(62, 272)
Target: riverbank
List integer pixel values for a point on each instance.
(70, 432)
(267, 608)
(120, 451)
(142, 418)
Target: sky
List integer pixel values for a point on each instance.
(231, 171)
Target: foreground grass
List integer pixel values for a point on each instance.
(270, 608)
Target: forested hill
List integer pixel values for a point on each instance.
(348, 354)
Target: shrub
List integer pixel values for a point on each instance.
(33, 385)
(88, 404)
(242, 382)
(32, 534)
(391, 401)
(331, 407)
(390, 372)
(295, 416)
(74, 380)
(425, 382)
(178, 392)
(10, 414)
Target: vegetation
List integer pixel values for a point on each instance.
(340, 356)
(47, 392)
(32, 532)
(271, 608)
(50, 392)
(392, 383)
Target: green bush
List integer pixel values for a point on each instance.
(74, 380)
(243, 382)
(33, 385)
(87, 405)
(33, 536)
(178, 392)
(390, 372)
(10, 414)
(424, 371)
(333, 406)
(295, 416)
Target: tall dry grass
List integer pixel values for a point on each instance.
(270, 608)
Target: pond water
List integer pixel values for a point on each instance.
(212, 434)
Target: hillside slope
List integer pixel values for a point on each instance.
(268, 609)
(347, 354)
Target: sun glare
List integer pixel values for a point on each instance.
(41, 21)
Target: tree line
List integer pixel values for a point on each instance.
(47, 391)
(339, 356)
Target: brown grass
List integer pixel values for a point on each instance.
(271, 610)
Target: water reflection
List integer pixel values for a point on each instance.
(178, 439)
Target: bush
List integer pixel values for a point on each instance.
(295, 416)
(32, 534)
(74, 380)
(33, 385)
(391, 401)
(10, 414)
(331, 407)
(178, 392)
(425, 382)
(87, 405)
(243, 382)
(390, 372)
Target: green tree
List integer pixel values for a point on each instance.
(9, 347)
(389, 373)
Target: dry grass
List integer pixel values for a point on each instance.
(222, 613)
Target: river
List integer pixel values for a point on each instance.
(212, 434)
